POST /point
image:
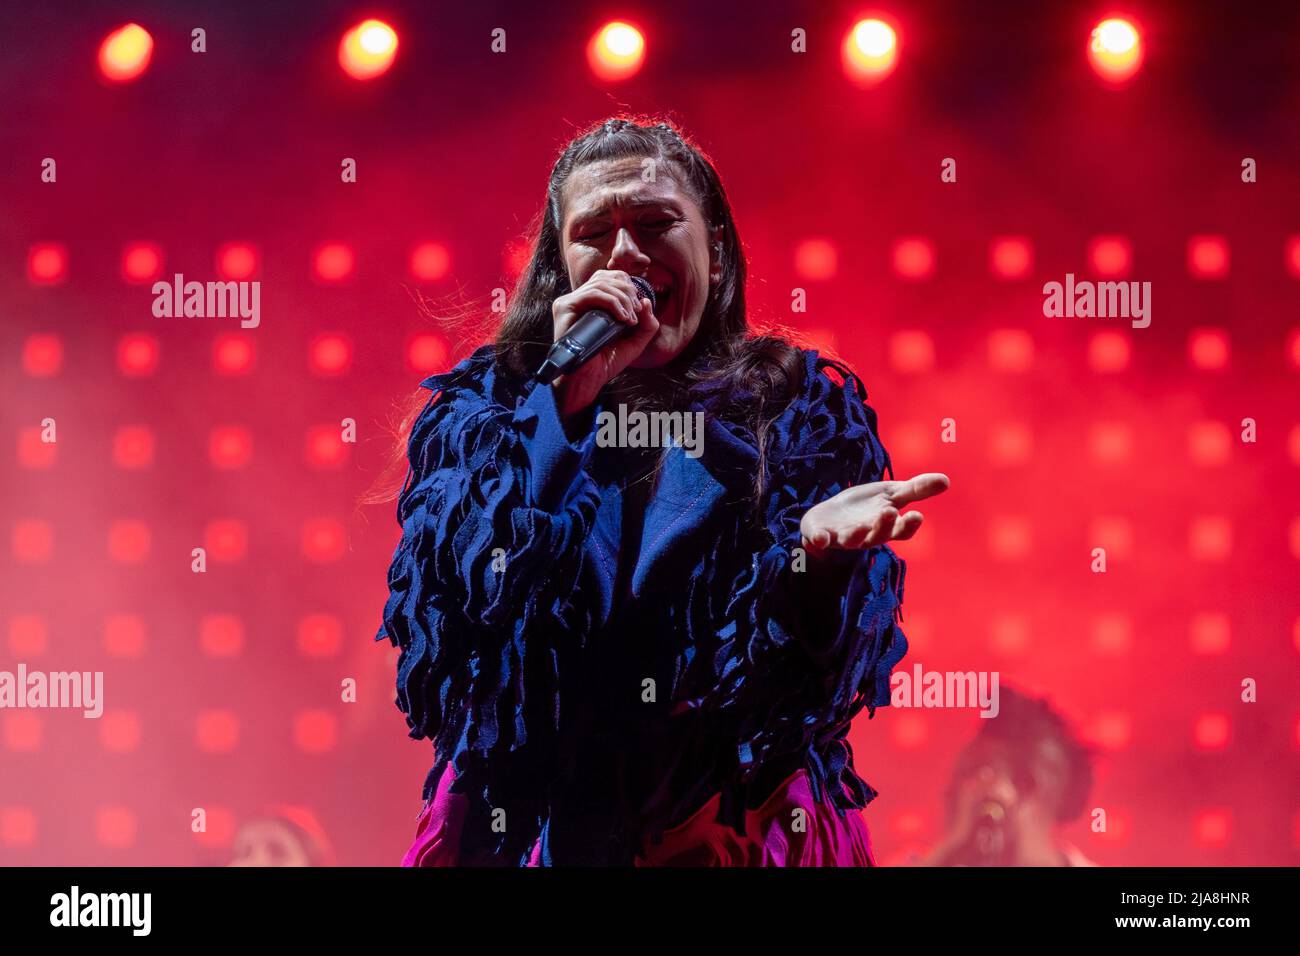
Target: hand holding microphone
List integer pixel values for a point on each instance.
(600, 328)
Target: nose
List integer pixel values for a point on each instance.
(627, 255)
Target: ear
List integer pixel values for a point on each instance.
(715, 255)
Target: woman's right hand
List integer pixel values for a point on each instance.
(613, 291)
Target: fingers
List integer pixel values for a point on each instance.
(919, 488)
(606, 289)
(908, 525)
(621, 285)
(887, 525)
(864, 534)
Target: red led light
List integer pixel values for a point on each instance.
(124, 635)
(913, 258)
(34, 454)
(911, 350)
(232, 354)
(1110, 256)
(216, 731)
(142, 262)
(137, 355)
(1207, 257)
(47, 263)
(315, 731)
(1209, 443)
(18, 827)
(1109, 352)
(330, 354)
(325, 447)
(334, 262)
(230, 447)
(22, 731)
(226, 539)
(221, 635)
(323, 540)
(33, 541)
(430, 261)
(42, 355)
(1111, 730)
(427, 353)
(1211, 634)
(816, 259)
(237, 261)
(909, 731)
(1110, 443)
(28, 635)
(320, 635)
(133, 446)
(1011, 257)
(1010, 538)
(1011, 350)
(128, 541)
(1213, 827)
(116, 827)
(1208, 349)
(1210, 538)
(119, 731)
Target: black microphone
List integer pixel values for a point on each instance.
(591, 333)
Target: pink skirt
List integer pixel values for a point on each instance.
(789, 829)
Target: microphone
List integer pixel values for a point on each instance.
(991, 844)
(591, 333)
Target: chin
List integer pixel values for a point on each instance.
(660, 351)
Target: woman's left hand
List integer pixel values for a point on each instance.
(868, 515)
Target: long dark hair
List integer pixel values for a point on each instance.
(757, 374)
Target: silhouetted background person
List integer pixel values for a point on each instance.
(1023, 776)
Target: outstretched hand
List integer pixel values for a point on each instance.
(868, 515)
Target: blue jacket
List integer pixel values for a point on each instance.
(596, 661)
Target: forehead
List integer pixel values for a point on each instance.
(597, 188)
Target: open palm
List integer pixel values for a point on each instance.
(868, 515)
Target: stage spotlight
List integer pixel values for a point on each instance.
(617, 51)
(870, 51)
(1115, 50)
(125, 53)
(368, 50)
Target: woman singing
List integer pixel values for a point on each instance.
(645, 656)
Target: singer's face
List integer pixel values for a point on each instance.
(613, 219)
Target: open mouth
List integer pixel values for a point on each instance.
(662, 297)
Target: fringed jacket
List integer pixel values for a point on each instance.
(594, 660)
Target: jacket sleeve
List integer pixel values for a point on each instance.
(800, 652)
(494, 513)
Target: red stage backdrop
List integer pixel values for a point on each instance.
(908, 226)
